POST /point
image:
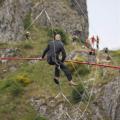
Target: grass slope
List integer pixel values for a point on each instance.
(14, 97)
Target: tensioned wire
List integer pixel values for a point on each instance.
(78, 73)
(55, 55)
(73, 87)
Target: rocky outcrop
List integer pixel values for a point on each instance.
(63, 15)
(13, 14)
(109, 100)
(54, 109)
(80, 6)
(106, 106)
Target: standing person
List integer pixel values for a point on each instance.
(108, 57)
(93, 42)
(53, 51)
(97, 42)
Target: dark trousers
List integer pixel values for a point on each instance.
(64, 68)
(59, 66)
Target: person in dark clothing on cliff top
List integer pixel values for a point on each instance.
(53, 51)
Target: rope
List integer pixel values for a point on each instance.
(35, 19)
(95, 64)
(81, 9)
(89, 96)
(91, 91)
(78, 51)
(83, 95)
(78, 78)
(73, 61)
(118, 67)
(60, 89)
(68, 116)
(56, 62)
(48, 17)
(100, 65)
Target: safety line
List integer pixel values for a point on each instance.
(94, 64)
(78, 76)
(78, 51)
(91, 93)
(35, 19)
(81, 9)
(49, 19)
(73, 61)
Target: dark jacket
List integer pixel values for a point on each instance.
(53, 51)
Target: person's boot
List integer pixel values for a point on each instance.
(71, 83)
(56, 80)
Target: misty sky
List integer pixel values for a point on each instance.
(104, 18)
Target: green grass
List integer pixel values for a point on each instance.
(116, 56)
(40, 73)
(14, 97)
(16, 108)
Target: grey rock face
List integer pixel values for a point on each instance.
(56, 109)
(62, 14)
(12, 13)
(80, 6)
(110, 99)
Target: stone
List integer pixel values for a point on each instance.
(13, 14)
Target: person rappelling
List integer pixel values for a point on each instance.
(53, 51)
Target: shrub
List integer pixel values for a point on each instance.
(27, 46)
(77, 94)
(27, 21)
(24, 79)
(16, 89)
(6, 84)
(40, 118)
(12, 86)
(116, 53)
(79, 68)
(64, 36)
(83, 70)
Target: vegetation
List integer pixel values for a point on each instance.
(80, 69)
(116, 55)
(30, 78)
(27, 21)
(78, 94)
(1, 2)
(24, 79)
(40, 118)
(11, 86)
(52, 32)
